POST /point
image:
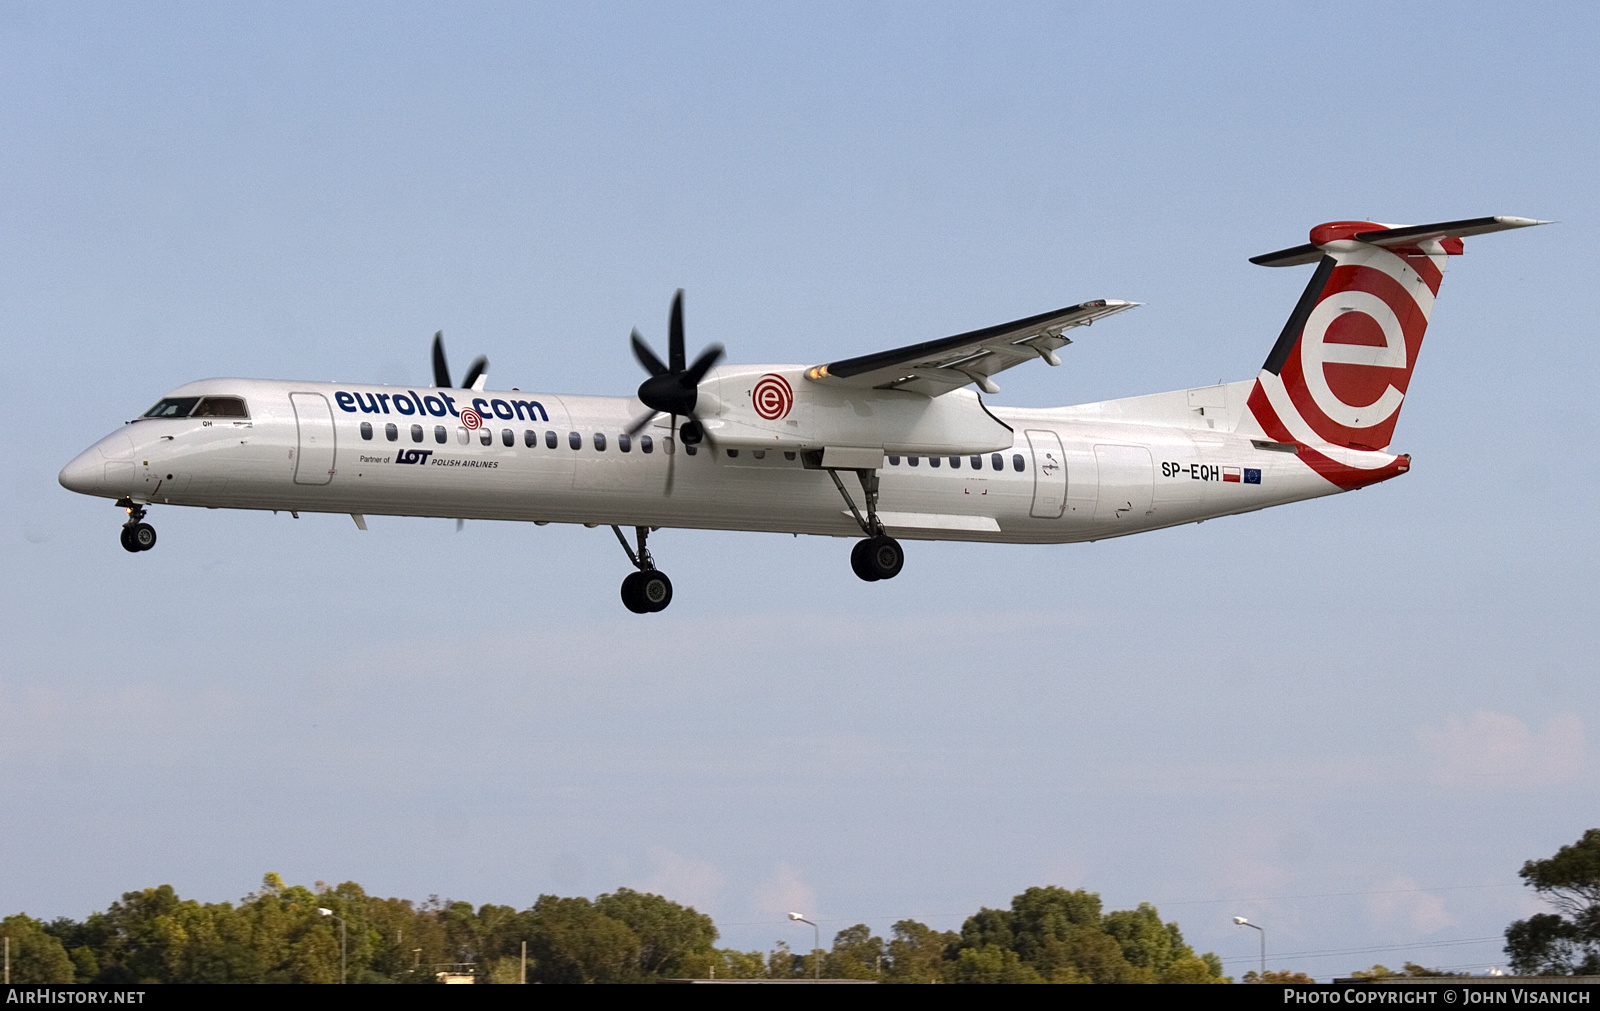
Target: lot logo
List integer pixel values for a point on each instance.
(413, 456)
(772, 397)
(471, 419)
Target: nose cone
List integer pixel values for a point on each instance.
(86, 474)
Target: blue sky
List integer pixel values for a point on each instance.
(1350, 720)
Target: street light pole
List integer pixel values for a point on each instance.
(1242, 922)
(816, 934)
(329, 912)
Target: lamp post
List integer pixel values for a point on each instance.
(329, 912)
(816, 933)
(1242, 922)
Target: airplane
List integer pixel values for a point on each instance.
(777, 448)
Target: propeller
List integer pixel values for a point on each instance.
(673, 388)
(441, 369)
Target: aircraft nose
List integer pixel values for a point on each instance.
(85, 473)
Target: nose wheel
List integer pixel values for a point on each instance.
(647, 590)
(137, 535)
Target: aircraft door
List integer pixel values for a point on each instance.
(314, 458)
(1049, 474)
(1127, 484)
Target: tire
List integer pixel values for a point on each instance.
(655, 590)
(127, 539)
(858, 561)
(884, 556)
(632, 598)
(143, 535)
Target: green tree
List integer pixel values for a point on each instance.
(1191, 970)
(1146, 941)
(1566, 942)
(36, 955)
(668, 933)
(917, 952)
(992, 964)
(857, 954)
(576, 943)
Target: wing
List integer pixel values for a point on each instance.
(936, 367)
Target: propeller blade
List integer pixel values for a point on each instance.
(675, 353)
(709, 357)
(638, 426)
(441, 370)
(646, 357)
(479, 366)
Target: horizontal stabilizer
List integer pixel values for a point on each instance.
(1389, 237)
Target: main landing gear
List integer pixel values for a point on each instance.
(648, 589)
(879, 556)
(137, 535)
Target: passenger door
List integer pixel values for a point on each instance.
(315, 458)
(1049, 474)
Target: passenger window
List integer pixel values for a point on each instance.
(759, 454)
(624, 443)
(599, 442)
(366, 430)
(530, 438)
(894, 461)
(1017, 462)
(575, 440)
(788, 454)
(955, 463)
(911, 461)
(439, 434)
(508, 437)
(690, 449)
(550, 440)
(933, 461)
(463, 436)
(390, 432)
(221, 407)
(646, 444)
(998, 463)
(732, 453)
(485, 437)
(977, 463)
(416, 433)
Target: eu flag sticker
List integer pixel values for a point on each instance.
(1252, 475)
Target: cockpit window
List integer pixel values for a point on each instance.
(221, 407)
(173, 407)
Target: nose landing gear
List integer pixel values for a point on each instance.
(137, 535)
(648, 590)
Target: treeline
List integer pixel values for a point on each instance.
(291, 934)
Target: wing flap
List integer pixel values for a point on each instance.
(939, 366)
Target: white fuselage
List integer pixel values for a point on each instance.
(1068, 474)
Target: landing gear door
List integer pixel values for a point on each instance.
(314, 457)
(1049, 474)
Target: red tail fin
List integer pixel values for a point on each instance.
(1340, 370)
